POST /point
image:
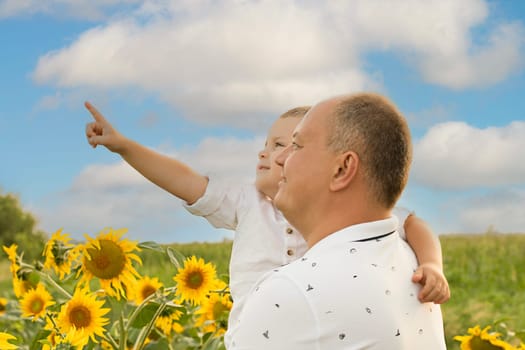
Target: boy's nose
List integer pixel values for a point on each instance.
(262, 154)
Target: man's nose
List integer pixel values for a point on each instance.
(281, 157)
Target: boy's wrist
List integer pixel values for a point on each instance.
(124, 145)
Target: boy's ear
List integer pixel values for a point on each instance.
(345, 170)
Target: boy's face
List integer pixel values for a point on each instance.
(268, 173)
(309, 166)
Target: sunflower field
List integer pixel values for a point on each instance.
(110, 293)
(91, 295)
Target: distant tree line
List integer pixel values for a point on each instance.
(18, 226)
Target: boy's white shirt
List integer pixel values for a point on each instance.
(263, 238)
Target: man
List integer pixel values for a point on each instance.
(342, 175)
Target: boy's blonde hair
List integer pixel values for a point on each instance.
(296, 112)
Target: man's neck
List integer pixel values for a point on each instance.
(340, 218)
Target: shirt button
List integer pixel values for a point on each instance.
(289, 231)
(289, 252)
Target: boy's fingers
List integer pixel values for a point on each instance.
(94, 129)
(417, 276)
(90, 129)
(428, 287)
(437, 295)
(96, 140)
(94, 112)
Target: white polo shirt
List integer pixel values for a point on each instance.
(263, 238)
(352, 290)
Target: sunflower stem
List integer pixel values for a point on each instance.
(139, 308)
(55, 285)
(123, 333)
(112, 341)
(146, 330)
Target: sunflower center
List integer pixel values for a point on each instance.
(80, 317)
(481, 344)
(147, 291)
(194, 279)
(59, 251)
(106, 262)
(2, 307)
(36, 305)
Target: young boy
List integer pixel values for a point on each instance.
(263, 238)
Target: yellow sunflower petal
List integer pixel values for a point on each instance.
(109, 259)
(35, 302)
(81, 318)
(59, 254)
(195, 280)
(144, 287)
(4, 341)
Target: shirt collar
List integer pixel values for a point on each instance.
(359, 232)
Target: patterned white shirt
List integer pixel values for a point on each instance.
(352, 290)
(263, 238)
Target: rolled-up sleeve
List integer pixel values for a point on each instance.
(219, 204)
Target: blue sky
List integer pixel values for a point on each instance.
(203, 80)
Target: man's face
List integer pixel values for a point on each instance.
(308, 166)
(268, 173)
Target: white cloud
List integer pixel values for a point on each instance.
(456, 155)
(116, 195)
(217, 61)
(216, 65)
(480, 66)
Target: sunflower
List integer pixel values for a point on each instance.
(144, 288)
(23, 280)
(4, 338)
(109, 258)
(195, 280)
(167, 321)
(35, 302)
(13, 258)
(213, 314)
(56, 340)
(53, 339)
(59, 254)
(479, 339)
(21, 286)
(11, 255)
(80, 319)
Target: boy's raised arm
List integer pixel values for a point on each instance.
(167, 173)
(428, 252)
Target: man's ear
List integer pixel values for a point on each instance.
(345, 170)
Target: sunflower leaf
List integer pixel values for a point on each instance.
(145, 315)
(151, 246)
(176, 257)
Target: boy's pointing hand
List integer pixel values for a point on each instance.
(101, 132)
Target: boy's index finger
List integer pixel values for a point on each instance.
(94, 112)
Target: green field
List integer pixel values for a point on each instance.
(485, 272)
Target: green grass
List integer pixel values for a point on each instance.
(159, 265)
(485, 273)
